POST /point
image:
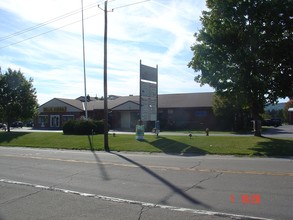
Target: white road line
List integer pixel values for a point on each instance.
(144, 204)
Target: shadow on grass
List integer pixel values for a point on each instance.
(273, 147)
(174, 188)
(170, 146)
(100, 165)
(10, 136)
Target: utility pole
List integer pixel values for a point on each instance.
(84, 72)
(106, 127)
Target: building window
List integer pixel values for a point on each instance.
(43, 120)
(66, 118)
(201, 113)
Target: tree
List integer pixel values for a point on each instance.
(243, 51)
(229, 113)
(18, 99)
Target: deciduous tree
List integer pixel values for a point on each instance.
(18, 99)
(229, 113)
(244, 50)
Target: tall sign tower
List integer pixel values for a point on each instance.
(148, 93)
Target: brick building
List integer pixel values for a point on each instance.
(175, 111)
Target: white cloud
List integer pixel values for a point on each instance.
(158, 32)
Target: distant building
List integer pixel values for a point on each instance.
(175, 111)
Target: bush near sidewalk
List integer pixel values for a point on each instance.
(83, 127)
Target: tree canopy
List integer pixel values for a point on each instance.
(229, 113)
(244, 51)
(18, 99)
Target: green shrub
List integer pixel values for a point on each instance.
(68, 127)
(83, 127)
(99, 127)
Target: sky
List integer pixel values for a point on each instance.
(43, 39)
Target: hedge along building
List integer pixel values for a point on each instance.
(175, 111)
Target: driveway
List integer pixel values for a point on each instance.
(285, 131)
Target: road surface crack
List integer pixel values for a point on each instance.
(166, 198)
(140, 213)
(197, 165)
(66, 179)
(203, 180)
(20, 197)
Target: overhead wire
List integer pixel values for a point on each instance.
(135, 3)
(57, 19)
(46, 32)
(46, 22)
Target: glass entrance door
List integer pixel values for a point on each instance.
(55, 121)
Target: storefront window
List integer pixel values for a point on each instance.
(201, 113)
(43, 120)
(66, 118)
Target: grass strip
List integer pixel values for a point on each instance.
(169, 144)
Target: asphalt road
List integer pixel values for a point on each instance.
(285, 131)
(62, 184)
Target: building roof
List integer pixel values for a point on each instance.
(183, 100)
(81, 98)
(72, 102)
(186, 100)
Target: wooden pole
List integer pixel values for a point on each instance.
(106, 127)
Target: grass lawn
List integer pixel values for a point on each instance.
(183, 145)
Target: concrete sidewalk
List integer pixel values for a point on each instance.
(285, 131)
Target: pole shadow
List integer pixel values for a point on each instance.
(170, 146)
(170, 185)
(99, 163)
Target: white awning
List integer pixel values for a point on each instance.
(290, 110)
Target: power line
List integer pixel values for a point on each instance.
(46, 32)
(54, 20)
(46, 22)
(135, 3)
(50, 21)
